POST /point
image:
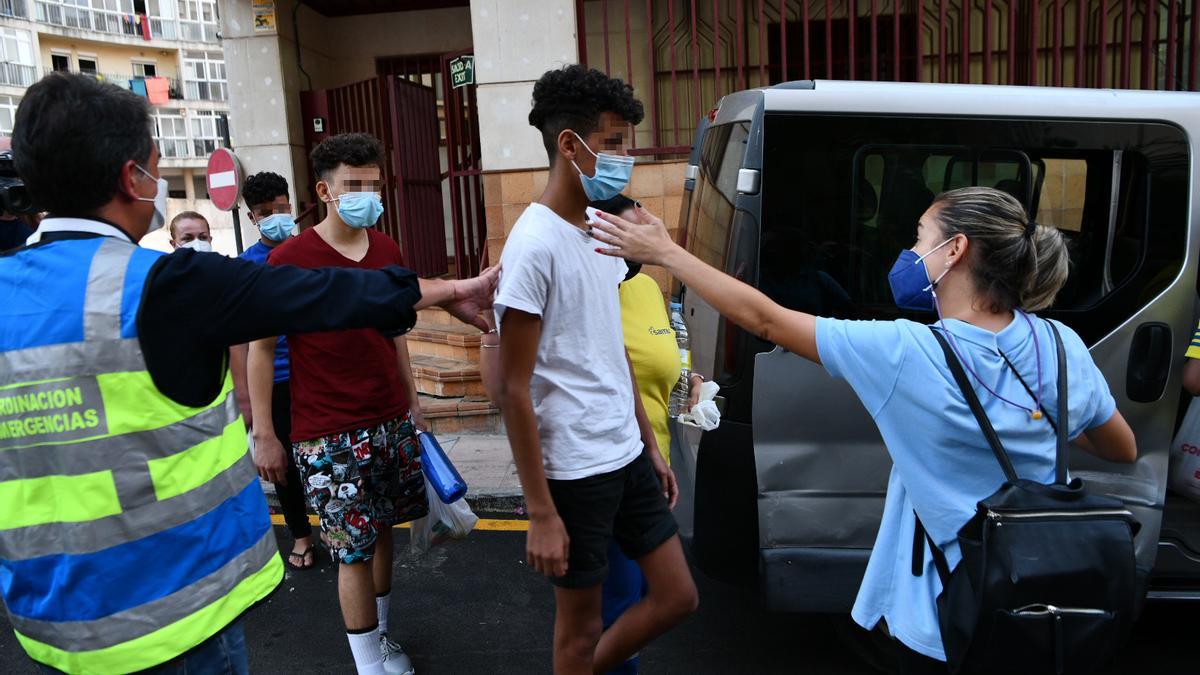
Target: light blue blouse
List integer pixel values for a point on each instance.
(941, 464)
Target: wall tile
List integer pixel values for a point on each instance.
(516, 187)
(647, 181)
(491, 189)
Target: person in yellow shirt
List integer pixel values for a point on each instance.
(654, 353)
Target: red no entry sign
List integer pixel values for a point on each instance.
(224, 177)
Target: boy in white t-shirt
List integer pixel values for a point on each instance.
(585, 452)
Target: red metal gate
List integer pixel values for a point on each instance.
(403, 116)
(465, 174)
(681, 56)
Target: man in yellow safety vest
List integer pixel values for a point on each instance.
(133, 531)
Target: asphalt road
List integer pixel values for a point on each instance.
(474, 607)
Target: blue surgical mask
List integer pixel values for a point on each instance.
(277, 226)
(909, 279)
(359, 209)
(612, 174)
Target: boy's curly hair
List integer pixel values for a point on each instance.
(263, 187)
(573, 98)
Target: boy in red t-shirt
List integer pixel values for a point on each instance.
(354, 405)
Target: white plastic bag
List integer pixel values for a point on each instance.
(1183, 474)
(445, 521)
(705, 413)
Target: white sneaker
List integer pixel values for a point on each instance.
(394, 659)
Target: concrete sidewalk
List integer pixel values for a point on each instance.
(486, 464)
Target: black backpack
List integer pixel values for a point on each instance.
(1047, 582)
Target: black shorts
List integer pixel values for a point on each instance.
(626, 505)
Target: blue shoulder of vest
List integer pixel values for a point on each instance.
(135, 281)
(42, 290)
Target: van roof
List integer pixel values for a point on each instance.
(912, 98)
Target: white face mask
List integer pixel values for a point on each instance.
(160, 202)
(198, 245)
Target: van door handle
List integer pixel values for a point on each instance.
(1149, 362)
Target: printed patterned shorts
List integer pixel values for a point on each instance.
(361, 481)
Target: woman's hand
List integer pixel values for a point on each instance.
(694, 383)
(649, 243)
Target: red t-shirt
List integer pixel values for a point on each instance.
(346, 379)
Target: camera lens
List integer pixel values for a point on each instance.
(14, 198)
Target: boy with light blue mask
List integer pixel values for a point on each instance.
(270, 208)
(582, 444)
(354, 406)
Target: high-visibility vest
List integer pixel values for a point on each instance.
(132, 528)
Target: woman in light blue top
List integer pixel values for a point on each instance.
(982, 265)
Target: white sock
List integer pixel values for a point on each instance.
(365, 648)
(381, 610)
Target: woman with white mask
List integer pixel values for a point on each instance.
(983, 266)
(190, 230)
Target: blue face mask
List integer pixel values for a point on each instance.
(359, 209)
(612, 174)
(277, 227)
(909, 279)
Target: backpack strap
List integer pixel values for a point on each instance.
(985, 425)
(920, 539)
(1062, 454)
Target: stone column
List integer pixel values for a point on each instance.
(264, 85)
(515, 41)
(189, 185)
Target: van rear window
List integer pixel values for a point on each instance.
(712, 207)
(841, 197)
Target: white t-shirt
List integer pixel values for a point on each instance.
(581, 390)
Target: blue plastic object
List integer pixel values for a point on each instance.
(445, 479)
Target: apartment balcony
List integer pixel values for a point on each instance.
(174, 91)
(68, 14)
(183, 149)
(197, 31)
(86, 18)
(17, 75)
(206, 91)
(14, 8)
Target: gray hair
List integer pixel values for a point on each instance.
(1014, 262)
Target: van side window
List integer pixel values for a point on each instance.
(711, 214)
(841, 197)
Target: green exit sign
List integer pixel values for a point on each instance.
(462, 71)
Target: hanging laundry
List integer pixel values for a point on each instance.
(144, 21)
(138, 86)
(158, 90)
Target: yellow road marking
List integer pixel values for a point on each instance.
(487, 524)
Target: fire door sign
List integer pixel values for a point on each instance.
(462, 71)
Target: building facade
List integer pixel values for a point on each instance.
(168, 51)
(324, 66)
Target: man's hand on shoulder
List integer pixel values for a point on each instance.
(470, 297)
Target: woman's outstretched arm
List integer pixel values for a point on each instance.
(739, 302)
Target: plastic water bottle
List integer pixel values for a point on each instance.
(678, 403)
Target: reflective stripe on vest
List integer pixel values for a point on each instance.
(104, 479)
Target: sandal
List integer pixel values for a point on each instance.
(301, 556)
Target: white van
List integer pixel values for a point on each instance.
(808, 190)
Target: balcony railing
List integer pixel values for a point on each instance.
(163, 29)
(14, 8)
(86, 18)
(17, 75)
(207, 91)
(70, 15)
(197, 31)
(174, 91)
(187, 148)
